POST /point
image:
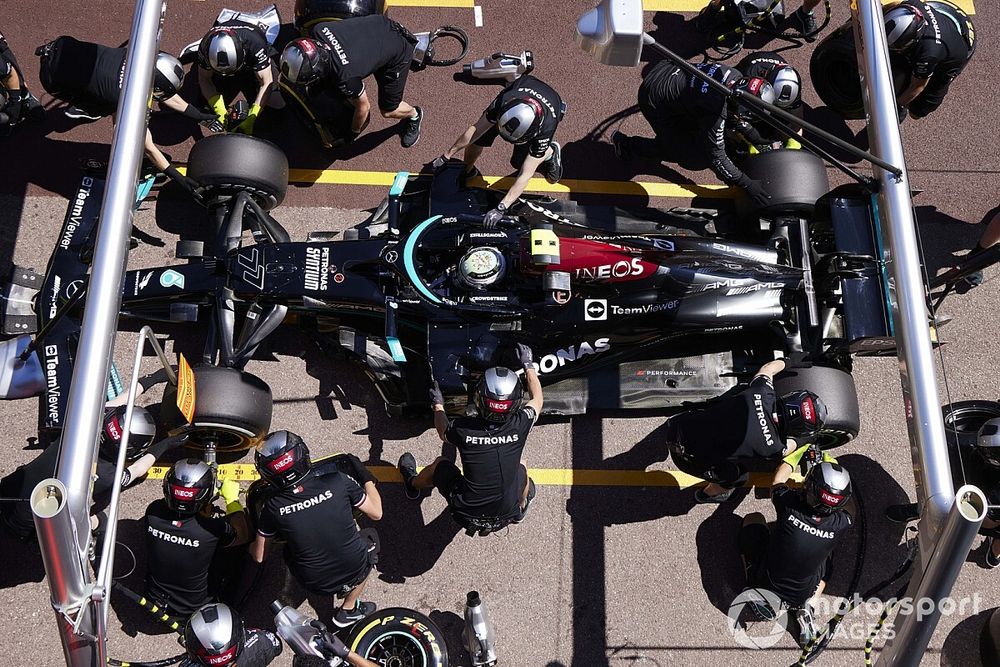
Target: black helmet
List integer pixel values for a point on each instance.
(802, 413)
(787, 85)
(168, 75)
(827, 487)
(214, 635)
(498, 395)
(903, 25)
(221, 51)
(140, 437)
(283, 459)
(520, 119)
(305, 60)
(988, 442)
(189, 486)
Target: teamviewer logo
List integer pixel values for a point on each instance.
(595, 309)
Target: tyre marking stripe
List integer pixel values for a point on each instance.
(967, 6)
(246, 472)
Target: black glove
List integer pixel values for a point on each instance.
(523, 354)
(332, 643)
(194, 113)
(186, 182)
(757, 192)
(437, 398)
(492, 218)
(797, 360)
(361, 473)
(439, 162)
(213, 124)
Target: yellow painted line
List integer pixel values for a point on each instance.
(247, 472)
(696, 5)
(468, 4)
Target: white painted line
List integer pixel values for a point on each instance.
(477, 10)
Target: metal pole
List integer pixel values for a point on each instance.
(78, 449)
(915, 627)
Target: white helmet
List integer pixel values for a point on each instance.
(903, 25)
(167, 76)
(482, 267)
(519, 120)
(787, 85)
(221, 51)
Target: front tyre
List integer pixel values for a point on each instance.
(397, 637)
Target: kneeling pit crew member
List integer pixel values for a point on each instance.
(713, 442)
(183, 535)
(493, 488)
(793, 559)
(216, 637)
(312, 510)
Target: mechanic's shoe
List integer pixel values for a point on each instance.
(807, 24)
(620, 141)
(411, 129)
(408, 469)
(527, 501)
(76, 113)
(992, 560)
(703, 498)
(807, 627)
(33, 109)
(969, 282)
(552, 169)
(345, 618)
(902, 513)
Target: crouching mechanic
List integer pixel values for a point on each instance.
(787, 85)
(235, 56)
(216, 637)
(715, 441)
(16, 101)
(493, 488)
(793, 560)
(526, 113)
(183, 536)
(341, 54)
(670, 99)
(88, 77)
(312, 510)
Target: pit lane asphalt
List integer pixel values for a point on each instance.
(597, 575)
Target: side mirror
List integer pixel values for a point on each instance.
(612, 32)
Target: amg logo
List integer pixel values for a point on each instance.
(51, 353)
(306, 504)
(733, 250)
(53, 304)
(750, 289)
(317, 268)
(335, 45)
(76, 212)
(812, 530)
(740, 282)
(561, 357)
(174, 539)
(492, 440)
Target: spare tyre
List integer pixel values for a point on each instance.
(226, 164)
(837, 391)
(310, 12)
(795, 180)
(399, 637)
(833, 69)
(963, 419)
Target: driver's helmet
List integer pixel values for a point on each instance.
(304, 61)
(168, 75)
(802, 413)
(221, 51)
(141, 433)
(498, 395)
(827, 487)
(482, 267)
(787, 85)
(283, 459)
(988, 443)
(903, 26)
(189, 486)
(520, 119)
(214, 635)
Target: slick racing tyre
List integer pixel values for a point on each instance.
(834, 72)
(232, 409)
(836, 389)
(226, 164)
(398, 637)
(963, 419)
(795, 179)
(310, 12)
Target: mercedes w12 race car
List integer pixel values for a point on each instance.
(620, 311)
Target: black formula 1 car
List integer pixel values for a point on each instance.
(620, 311)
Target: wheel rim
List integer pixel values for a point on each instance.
(970, 418)
(397, 649)
(225, 441)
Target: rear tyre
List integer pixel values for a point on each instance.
(310, 12)
(795, 179)
(399, 637)
(226, 164)
(963, 419)
(232, 409)
(837, 391)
